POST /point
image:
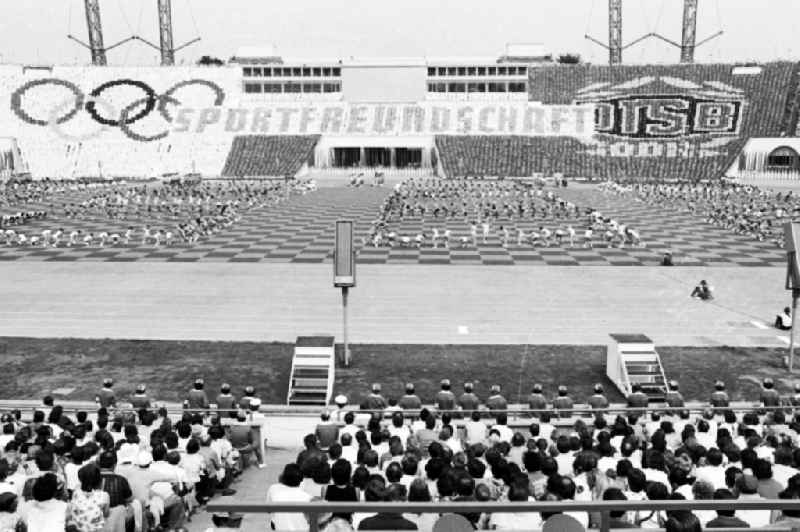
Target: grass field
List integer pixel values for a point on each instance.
(34, 367)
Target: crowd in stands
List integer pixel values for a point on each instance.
(129, 468)
(743, 209)
(269, 155)
(109, 213)
(465, 450)
(515, 211)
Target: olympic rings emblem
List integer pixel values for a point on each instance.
(111, 117)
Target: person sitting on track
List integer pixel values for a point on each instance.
(783, 321)
(703, 291)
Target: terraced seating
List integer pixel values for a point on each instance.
(761, 102)
(269, 155)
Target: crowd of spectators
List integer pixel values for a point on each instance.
(269, 155)
(129, 467)
(407, 453)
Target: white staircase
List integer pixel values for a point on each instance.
(632, 359)
(313, 371)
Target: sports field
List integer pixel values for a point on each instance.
(300, 230)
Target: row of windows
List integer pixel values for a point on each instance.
(477, 87)
(285, 72)
(478, 71)
(291, 88)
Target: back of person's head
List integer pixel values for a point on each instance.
(340, 472)
(791, 492)
(375, 490)
(502, 418)
(349, 418)
(656, 491)
(703, 490)
(682, 521)
(291, 476)
(562, 444)
(322, 473)
(465, 486)
(714, 457)
(107, 460)
(45, 487)
(637, 482)
(724, 495)
(159, 453)
(549, 466)
(762, 469)
(89, 477)
(360, 478)
(615, 494)
(44, 461)
(394, 472)
(409, 464)
(192, 446)
(418, 491)
(370, 458)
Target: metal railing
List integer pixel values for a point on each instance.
(313, 510)
(579, 410)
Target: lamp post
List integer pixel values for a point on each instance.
(344, 275)
(791, 240)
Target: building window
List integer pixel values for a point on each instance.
(501, 71)
(471, 71)
(492, 71)
(516, 87)
(248, 71)
(291, 88)
(257, 72)
(462, 71)
(456, 87)
(252, 88)
(472, 87)
(481, 71)
(287, 72)
(317, 71)
(267, 72)
(451, 71)
(442, 71)
(337, 72)
(431, 71)
(306, 72)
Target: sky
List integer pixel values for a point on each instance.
(34, 31)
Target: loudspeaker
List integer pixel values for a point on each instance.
(344, 256)
(791, 242)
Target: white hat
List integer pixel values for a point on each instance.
(144, 458)
(255, 402)
(340, 399)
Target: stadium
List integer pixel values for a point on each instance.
(506, 292)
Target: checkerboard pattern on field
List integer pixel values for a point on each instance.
(300, 230)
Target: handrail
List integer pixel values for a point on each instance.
(314, 509)
(578, 409)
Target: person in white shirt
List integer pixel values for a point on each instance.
(747, 485)
(502, 427)
(475, 429)
(288, 490)
(713, 472)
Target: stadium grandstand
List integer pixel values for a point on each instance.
(174, 357)
(449, 117)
